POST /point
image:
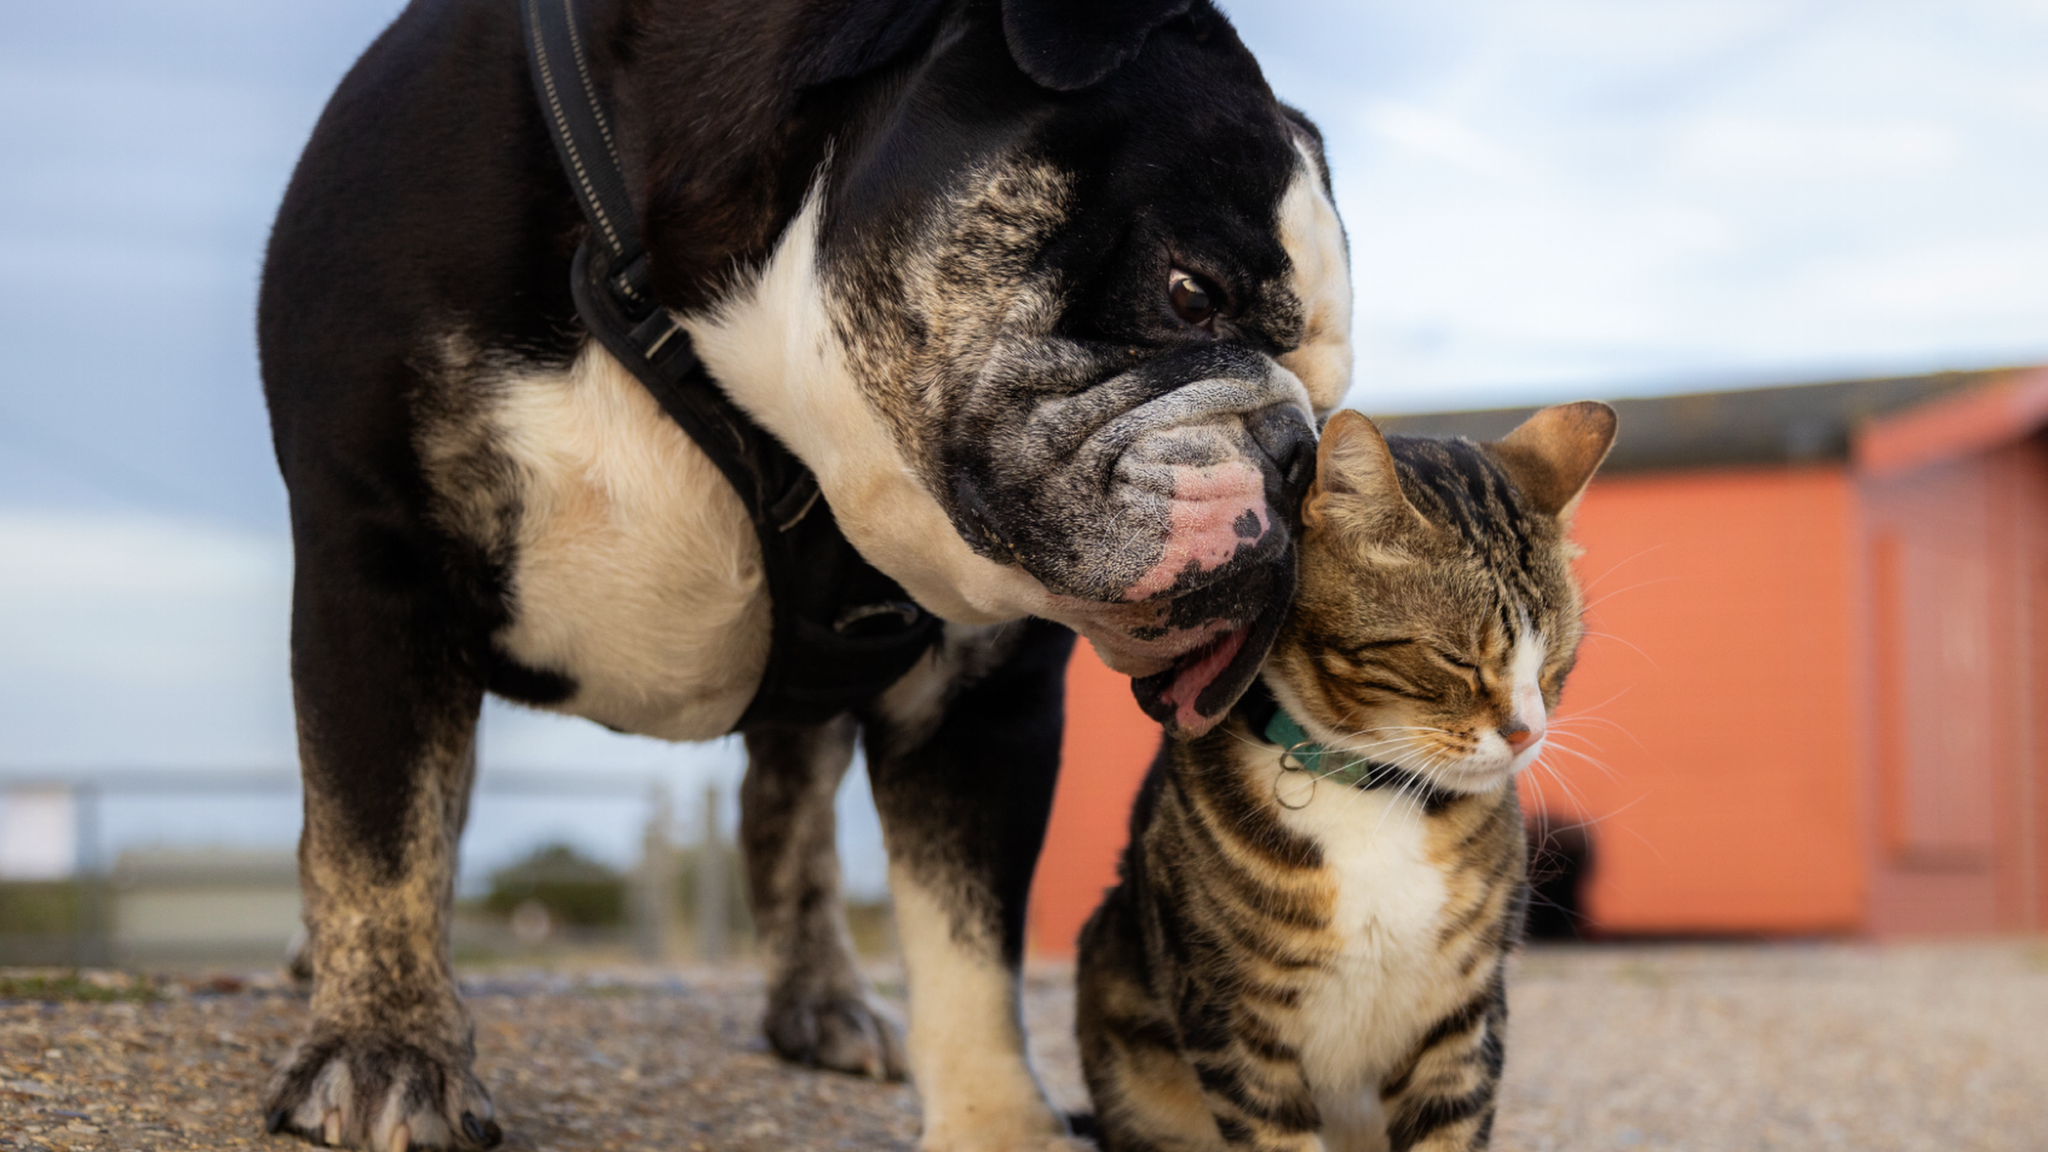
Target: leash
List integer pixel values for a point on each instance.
(842, 631)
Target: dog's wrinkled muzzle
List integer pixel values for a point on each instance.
(1159, 508)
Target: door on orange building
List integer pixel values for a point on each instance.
(1937, 740)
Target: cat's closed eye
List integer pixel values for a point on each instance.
(1382, 645)
(1456, 661)
(1459, 664)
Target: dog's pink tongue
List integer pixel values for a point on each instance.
(1195, 673)
(1198, 691)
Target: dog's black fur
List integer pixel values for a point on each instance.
(417, 282)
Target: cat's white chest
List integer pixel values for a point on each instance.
(1361, 1017)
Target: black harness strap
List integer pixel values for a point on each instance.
(843, 631)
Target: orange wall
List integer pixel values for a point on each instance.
(1717, 691)
(1718, 688)
(1103, 757)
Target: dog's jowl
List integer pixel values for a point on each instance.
(1046, 295)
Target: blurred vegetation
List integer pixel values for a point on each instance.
(578, 892)
(51, 987)
(584, 895)
(39, 906)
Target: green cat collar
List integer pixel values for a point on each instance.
(1319, 761)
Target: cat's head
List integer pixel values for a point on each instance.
(1437, 616)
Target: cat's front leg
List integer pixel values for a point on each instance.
(1258, 1095)
(1443, 1100)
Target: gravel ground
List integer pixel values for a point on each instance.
(1797, 1047)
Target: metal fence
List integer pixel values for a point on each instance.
(156, 905)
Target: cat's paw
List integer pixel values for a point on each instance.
(1036, 1142)
(846, 1033)
(380, 1092)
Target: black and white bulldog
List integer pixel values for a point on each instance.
(1047, 294)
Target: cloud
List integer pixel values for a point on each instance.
(50, 553)
(1438, 136)
(136, 641)
(1725, 146)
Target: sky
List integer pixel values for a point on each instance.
(1545, 200)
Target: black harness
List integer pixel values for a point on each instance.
(843, 631)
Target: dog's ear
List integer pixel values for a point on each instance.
(863, 35)
(1068, 45)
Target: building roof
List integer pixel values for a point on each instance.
(1796, 424)
(2009, 407)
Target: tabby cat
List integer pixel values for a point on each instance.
(1308, 943)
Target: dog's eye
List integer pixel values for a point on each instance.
(1194, 299)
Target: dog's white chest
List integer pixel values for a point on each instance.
(637, 572)
(1388, 981)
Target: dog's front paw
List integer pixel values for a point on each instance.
(380, 1092)
(846, 1033)
(1024, 1127)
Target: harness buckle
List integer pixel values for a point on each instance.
(878, 619)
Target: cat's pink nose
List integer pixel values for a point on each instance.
(1519, 735)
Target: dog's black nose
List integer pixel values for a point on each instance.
(1288, 440)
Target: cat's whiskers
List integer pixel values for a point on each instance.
(1594, 710)
(1580, 745)
(1596, 581)
(1571, 793)
(1421, 756)
(1579, 803)
(1574, 719)
(1351, 717)
(1547, 828)
(1630, 588)
(1399, 752)
(1391, 745)
(1357, 743)
(1403, 753)
(1618, 566)
(1420, 774)
(1535, 780)
(1591, 821)
(1589, 633)
(1605, 769)
(1315, 777)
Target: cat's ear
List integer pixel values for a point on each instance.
(1356, 487)
(1552, 456)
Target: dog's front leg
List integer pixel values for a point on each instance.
(963, 756)
(387, 718)
(821, 1008)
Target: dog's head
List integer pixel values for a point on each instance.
(1083, 271)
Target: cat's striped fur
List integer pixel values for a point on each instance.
(1293, 962)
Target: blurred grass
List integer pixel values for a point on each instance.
(39, 906)
(60, 987)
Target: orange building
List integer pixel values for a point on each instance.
(1809, 699)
